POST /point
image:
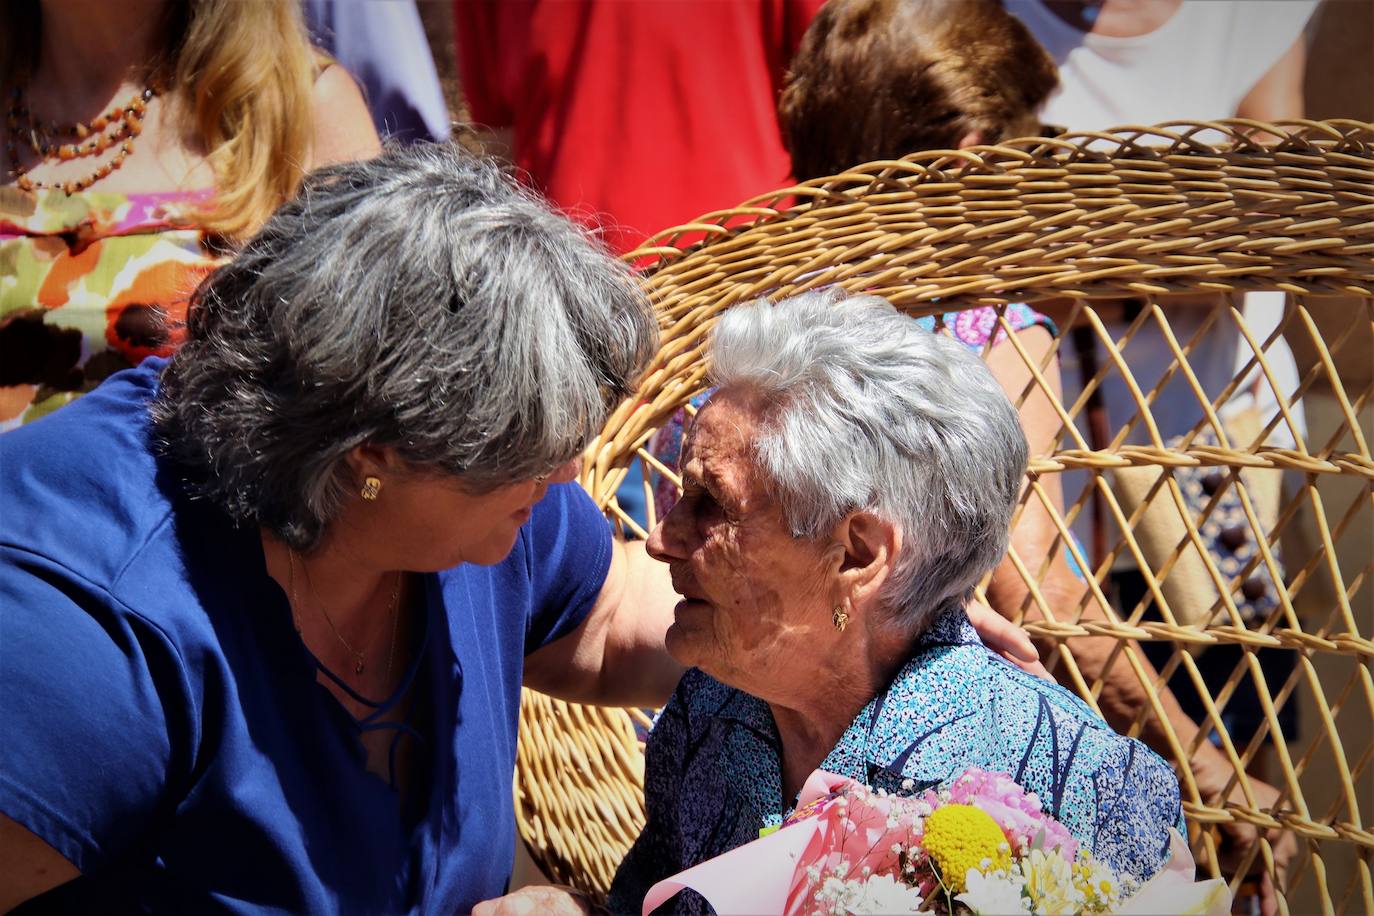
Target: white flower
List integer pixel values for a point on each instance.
(838, 894)
(993, 895)
(885, 894)
(1100, 886)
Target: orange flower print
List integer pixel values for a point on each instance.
(148, 317)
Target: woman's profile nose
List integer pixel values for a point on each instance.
(662, 545)
(654, 545)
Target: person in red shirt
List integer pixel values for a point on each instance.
(634, 117)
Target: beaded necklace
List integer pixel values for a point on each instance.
(120, 125)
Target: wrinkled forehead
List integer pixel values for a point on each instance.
(720, 439)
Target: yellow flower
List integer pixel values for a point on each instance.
(1050, 884)
(962, 837)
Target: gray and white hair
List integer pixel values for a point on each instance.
(419, 300)
(868, 411)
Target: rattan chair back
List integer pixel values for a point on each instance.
(1155, 217)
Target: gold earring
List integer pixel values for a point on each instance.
(839, 618)
(371, 487)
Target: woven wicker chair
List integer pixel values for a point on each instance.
(1140, 213)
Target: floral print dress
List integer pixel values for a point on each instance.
(91, 284)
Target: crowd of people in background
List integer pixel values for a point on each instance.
(148, 145)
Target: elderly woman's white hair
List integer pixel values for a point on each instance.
(871, 412)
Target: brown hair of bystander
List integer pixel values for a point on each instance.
(878, 79)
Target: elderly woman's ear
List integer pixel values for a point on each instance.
(860, 557)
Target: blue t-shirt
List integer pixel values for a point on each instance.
(161, 724)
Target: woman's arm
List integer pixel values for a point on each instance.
(1278, 96)
(343, 126)
(1036, 537)
(616, 657)
(100, 724)
(1122, 670)
(28, 866)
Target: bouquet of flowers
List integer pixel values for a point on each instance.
(982, 845)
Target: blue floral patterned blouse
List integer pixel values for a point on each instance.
(713, 776)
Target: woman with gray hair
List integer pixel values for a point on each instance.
(850, 481)
(267, 606)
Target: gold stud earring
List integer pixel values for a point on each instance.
(839, 618)
(371, 487)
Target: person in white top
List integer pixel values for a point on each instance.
(1150, 61)
(1145, 62)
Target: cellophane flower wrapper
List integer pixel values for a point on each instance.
(849, 849)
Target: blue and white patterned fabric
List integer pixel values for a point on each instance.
(713, 776)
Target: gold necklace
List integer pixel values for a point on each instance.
(395, 626)
(359, 664)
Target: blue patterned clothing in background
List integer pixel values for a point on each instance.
(713, 773)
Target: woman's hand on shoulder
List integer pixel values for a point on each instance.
(343, 125)
(1005, 638)
(555, 900)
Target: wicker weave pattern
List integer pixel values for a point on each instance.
(1151, 214)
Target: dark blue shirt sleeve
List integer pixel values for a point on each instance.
(568, 549)
(89, 745)
(1137, 802)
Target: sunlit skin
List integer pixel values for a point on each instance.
(758, 603)
(421, 521)
(754, 598)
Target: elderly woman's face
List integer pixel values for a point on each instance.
(755, 599)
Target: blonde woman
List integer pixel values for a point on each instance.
(141, 139)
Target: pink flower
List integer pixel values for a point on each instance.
(1016, 811)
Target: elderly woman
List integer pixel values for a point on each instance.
(946, 74)
(844, 489)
